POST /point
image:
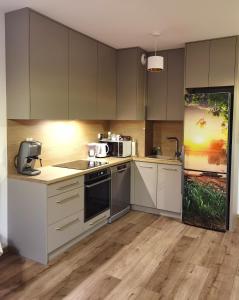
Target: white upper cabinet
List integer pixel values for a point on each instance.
(36, 66)
(210, 63)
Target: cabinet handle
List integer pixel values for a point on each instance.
(68, 224)
(68, 186)
(166, 169)
(122, 170)
(146, 167)
(67, 199)
(97, 183)
(97, 221)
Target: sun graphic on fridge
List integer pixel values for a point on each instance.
(203, 133)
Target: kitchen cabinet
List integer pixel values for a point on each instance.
(56, 220)
(106, 88)
(166, 88)
(145, 183)
(175, 85)
(36, 66)
(222, 62)
(157, 92)
(131, 84)
(197, 64)
(210, 63)
(82, 77)
(169, 197)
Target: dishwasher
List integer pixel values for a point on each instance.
(120, 191)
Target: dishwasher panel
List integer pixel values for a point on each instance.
(120, 198)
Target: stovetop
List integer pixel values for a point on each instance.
(81, 164)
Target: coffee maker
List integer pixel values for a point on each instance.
(28, 153)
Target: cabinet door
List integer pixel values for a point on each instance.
(48, 68)
(145, 187)
(175, 94)
(157, 92)
(141, 87)
(82, 77)
(222, 62)
(106, 91)
(126, 84)
(197, 64)
(169, 196)
(17, 64)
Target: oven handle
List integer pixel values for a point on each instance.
(97, 183)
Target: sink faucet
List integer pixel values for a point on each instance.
(177, 152)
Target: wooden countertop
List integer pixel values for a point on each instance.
(52, 174)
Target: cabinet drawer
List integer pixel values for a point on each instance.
(97, 220)
(65, 204)
(65, 230)
(64, 186)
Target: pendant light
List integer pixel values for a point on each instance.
(155, 62)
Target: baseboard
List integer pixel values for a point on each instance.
(156, 211)
(9, 249)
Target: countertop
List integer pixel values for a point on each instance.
(50, 174)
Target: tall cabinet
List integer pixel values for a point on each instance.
(106, 83)
(157, 92)
(131, 84)
(36, 66)
(82, 76)
(166, 88)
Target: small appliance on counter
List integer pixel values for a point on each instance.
(92, 149)
(119, 147)
(102, 150)
(28, 153)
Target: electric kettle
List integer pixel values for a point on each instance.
(102, 149)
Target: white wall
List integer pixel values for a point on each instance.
(3, 139)
(235, 143)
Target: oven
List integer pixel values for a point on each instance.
(97, 193)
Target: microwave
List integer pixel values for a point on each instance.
(119, 148)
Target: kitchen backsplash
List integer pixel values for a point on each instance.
(164, 129)
(67, 140)
(61, 140)
(136, 129)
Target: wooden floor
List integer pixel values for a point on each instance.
(141, 256)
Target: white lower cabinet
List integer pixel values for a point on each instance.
(46, 219)
(65, 230)
(65, 204)
(157, 186)
(169, 196)
(145, 183)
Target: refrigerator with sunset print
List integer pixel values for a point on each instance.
(206, 159)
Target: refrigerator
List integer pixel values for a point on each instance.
(206, 159)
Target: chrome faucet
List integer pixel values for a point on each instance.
(177, 152)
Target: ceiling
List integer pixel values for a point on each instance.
(129, 23)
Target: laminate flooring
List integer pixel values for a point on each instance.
(141, 256)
